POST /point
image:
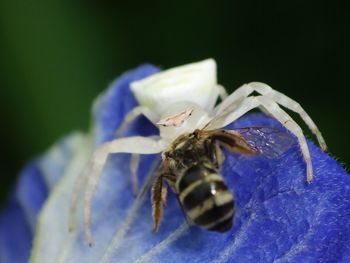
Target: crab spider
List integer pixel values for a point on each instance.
(182, 100)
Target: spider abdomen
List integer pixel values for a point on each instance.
(205, 197)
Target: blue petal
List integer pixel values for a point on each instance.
(31, 192)
(279, 217)
(15, 234)
(19, 218)
(55, 161)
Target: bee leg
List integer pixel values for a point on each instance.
(159, 193)
(219, 156)
(171, 180)
(134, 165)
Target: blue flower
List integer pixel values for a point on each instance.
(279, 217)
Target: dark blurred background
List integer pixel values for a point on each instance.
(58, 55)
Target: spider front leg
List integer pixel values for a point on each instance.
(273, 109)
(290, 104)
(134, 164)
(219, 92)
(244, 91)
(222, 92)
(234, 99)
(79, 184)
(132, 115)
(93, 170)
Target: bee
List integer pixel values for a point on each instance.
(191, 167)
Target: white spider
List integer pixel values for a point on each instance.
(181, 100)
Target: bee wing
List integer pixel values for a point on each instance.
(232, 141)
(271, 142)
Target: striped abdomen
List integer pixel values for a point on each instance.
(205, 198)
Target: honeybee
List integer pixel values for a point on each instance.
(191, 168)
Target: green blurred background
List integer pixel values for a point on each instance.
(57, 55)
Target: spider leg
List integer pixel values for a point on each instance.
(79, 184)
(290, 104)
(227, 117)
(222, 92)
(274, 109)
(234, 99)
(132, 115)
(134, 164)
(232, 102)
(218, 92)
(93, 170)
